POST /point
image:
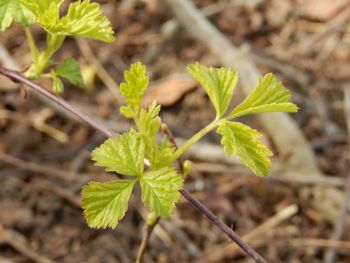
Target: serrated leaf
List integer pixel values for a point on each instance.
(219, 83)
(105, 204)
(239, 139)
(134, 87)
(163, 155)
(124, 154)
(160, 190)
(12, 11)
(268, 96)
(70, 70)
(40, 7)
(149, 121)
(83, 19)
(57, 85)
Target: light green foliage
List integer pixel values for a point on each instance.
(219, 83)
(106, 203)
(133, 89)
(269, 95)
(83, 19)
(70, 70)
(41, 7)
(124, 154)
(160, 190)
(12, 11)
(160, 182)
(57, 84)
(239, 139)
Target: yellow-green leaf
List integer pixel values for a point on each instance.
(239, 139)
(12, 11)
(219, 83)
(133, 88)
(269, 95)
(160, 190)
(105, 204)
(124, 154)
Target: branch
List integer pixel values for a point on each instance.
(18, 78)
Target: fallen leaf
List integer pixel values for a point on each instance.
(170, 90)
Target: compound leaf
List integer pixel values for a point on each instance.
(124, 154)
(133, 89)
(12, 11)
(106, 203)
(70, 70)
(268, 96)
(239, 139)
(160, 190)
(219, 83)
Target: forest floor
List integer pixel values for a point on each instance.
(45, 155)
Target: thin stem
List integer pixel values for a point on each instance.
(17, 77)
(195, 138)
(224, 228)
(33, 49)
(152, 221)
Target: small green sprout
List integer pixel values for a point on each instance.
(83, 19)
(106, 203)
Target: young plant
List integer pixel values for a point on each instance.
(83, 19)
(105, 204)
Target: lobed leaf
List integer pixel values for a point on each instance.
(12, 11)
(106, 203)
(219, 83)
(239, 139)
(83, 19)
(70, 70)
(124, 154)
(160, 190)
(149, 121)
(57, 85)
(133, 89)
(268, 96)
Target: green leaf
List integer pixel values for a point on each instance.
(70, 70)
(149, 121)
(133, 89)
(268, 96)
(160, 190)
(83, 19)
(219, 83)
(12, 11)
(57, 85)
(163, 155)
(239, 139)
(124, 154)
(40, 7)
(105, 204)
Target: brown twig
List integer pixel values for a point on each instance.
(17, 77)
(148, 229)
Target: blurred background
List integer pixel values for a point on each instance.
(299, 213)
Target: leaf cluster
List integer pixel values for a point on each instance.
(83, 19)
(106, 203)
(269, 95)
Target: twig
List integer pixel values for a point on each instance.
(331, 254)
(148, 229)
(17, 77)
